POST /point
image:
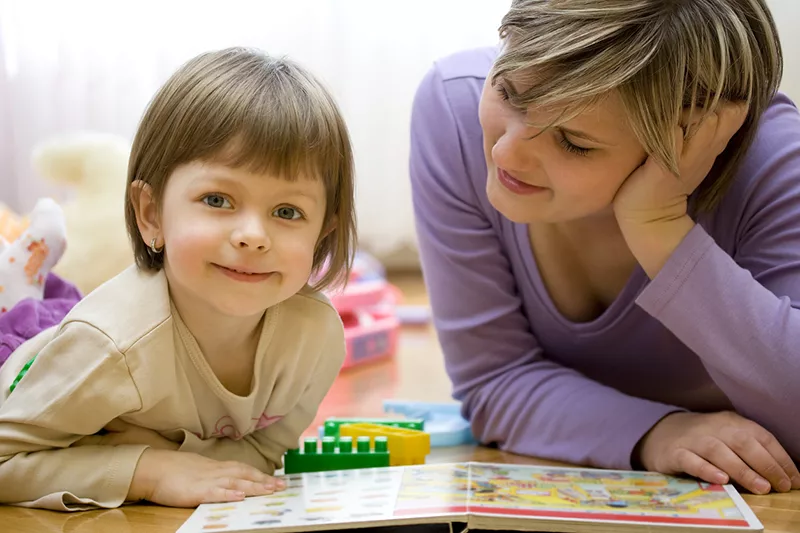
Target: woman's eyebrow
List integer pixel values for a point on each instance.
(583, 135)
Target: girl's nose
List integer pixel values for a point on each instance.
(252, 235)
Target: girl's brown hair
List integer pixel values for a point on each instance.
(243, 108)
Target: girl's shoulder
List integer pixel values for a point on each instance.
(309, 302)
(126, 307)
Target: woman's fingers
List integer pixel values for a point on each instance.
(719, 453)
(771, 460)
(694, 465)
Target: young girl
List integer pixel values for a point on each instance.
(608, 217)
(210, 357)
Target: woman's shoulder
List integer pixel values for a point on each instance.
(446, 134)
(767, 184)
(473, 63)
(457, 80)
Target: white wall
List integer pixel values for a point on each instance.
(90, 66)
(787, 17)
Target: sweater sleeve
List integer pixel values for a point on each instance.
(739, 313)
(264, 448)
(512, 394)
(77, 383)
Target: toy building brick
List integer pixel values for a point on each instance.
(336, 457)
(408, 446)
(332, 425)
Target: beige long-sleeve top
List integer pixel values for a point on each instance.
(123, 352)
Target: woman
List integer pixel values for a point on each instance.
(608, 211)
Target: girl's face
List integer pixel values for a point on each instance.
(236, 243)
(568, 172)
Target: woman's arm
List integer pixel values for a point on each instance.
(741, 314)
(512, 394)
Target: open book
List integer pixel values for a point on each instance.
(485, 496)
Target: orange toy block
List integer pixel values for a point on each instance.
(406, 446)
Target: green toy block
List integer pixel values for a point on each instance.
(336, 457)
(333, 424)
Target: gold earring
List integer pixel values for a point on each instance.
(153, 248)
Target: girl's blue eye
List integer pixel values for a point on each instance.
(216, 201)
(287, 213)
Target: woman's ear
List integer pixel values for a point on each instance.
(146, 210)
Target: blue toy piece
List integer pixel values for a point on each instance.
(443, 421)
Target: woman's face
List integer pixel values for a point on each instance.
(564, 173)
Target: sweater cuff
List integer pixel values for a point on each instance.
(632, 432)
(119, 475)
(680, 265)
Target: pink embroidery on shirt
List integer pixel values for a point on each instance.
(225, 426)
(266, 421)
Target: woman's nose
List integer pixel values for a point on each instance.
(516, 148)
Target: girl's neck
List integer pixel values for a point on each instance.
(220, 337)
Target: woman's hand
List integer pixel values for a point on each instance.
(652, 193)
(719, 448)
(651, 205)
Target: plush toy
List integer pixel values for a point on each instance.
(11, 224)
(94, 167)
(26, 262)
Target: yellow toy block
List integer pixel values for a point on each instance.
(406, 446)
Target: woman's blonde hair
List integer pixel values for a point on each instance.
(661, 56)
(243, 108)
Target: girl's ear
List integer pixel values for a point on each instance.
(146, 210)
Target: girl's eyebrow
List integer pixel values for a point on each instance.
(303, 194)
(221, 177)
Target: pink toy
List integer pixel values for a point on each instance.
(368, 310)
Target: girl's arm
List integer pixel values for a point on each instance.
(77, 384)
(512, 394)
(741, 313)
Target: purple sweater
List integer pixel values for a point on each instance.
(718, 328)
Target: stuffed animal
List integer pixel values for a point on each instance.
(11, 224)
(94, 166)
(26, 262)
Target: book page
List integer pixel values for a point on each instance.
(330, 500)
(309, 500)
(433, 490)
(604, 495)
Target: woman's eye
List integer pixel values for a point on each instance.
(502, 90)
(216, 201)
(288, 213)
(573, 148)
